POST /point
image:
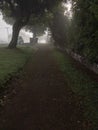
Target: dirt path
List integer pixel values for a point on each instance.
(41, 99)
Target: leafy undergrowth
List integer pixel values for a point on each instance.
(81, 85)
(11, 61)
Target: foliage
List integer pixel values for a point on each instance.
(36, 25)
(80, 33)
(21, 10)
(81, 84)
(83, 36)
(58, 27)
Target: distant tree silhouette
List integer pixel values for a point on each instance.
(21, 10)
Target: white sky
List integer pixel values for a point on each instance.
(68, 5)
(2, 22)
(4, 30)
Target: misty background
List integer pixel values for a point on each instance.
(6, 33)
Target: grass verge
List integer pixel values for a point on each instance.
(82, 85)
(11, 61)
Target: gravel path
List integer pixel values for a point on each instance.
(41, 98)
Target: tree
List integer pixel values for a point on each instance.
(36, 25)
(84, 27)
(21, 10)
(59, 27)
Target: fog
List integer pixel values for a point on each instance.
(6, 33)
(5, 29)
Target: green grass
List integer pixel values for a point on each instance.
(11, 61)
(82, 85)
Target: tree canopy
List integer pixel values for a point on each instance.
(21, 10)
(84, 26)
(79, 34)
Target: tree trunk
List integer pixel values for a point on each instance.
(19, 23)
(34, 33)
(16, 29)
